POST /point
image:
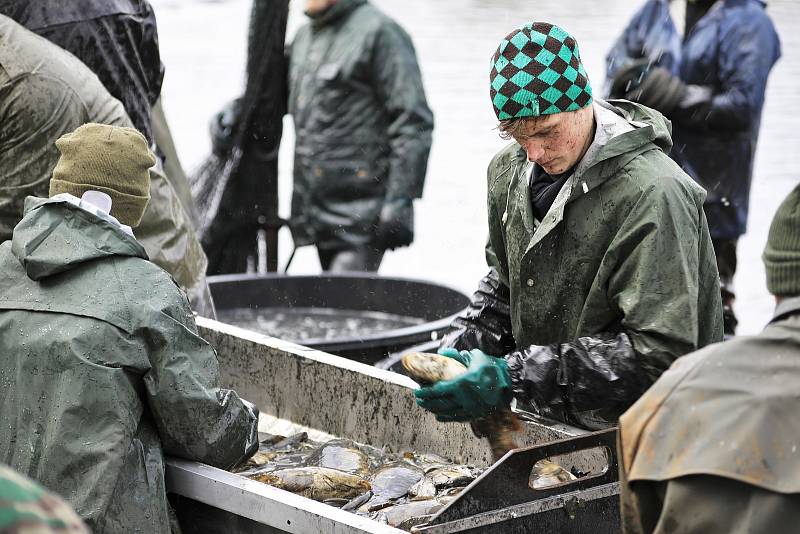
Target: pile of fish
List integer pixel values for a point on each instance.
(400, 489)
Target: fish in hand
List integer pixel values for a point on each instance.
(498, 428)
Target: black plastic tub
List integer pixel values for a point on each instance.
(393, 314)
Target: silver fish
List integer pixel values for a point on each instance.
(497, 428)
(547, 474)
(318, 483)
(340, 454)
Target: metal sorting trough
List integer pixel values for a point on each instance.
(433, 304)
(339, 397)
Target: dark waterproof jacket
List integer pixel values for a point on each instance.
(46, 92)
(651, 33)
(116, 39)
(731, 50)
(363, 126)
(615, 283)
(713, 447)
(103, 372)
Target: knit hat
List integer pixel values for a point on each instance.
(782, 253)
(536, 71)
(111, 159)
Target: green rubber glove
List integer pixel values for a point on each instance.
(482, 389)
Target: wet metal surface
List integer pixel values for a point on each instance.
(345, 399)
(501, 501)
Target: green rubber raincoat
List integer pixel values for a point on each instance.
(616, 282)
(363, 126)
(713, 446)
(46, 92)
(102, 371)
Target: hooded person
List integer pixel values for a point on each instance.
(602, 270)
(103, 371)
(711, 447)
(711, 83)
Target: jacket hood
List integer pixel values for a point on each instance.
(650, 126)
(55, 236)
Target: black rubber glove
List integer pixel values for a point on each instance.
(486, 323)
(395, 226)
(222, 128)
(659, 90)
(629, 78)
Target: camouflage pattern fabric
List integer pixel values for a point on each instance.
(26, 508)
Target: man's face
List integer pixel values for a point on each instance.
(316, 6)
(556, 142)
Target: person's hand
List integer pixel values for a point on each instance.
(461, 356)
(629, 77)
(659, 90)
(395, 226)
(477, 393)
(222, 128)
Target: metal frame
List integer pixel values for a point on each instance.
(264, 504)
(329, 394)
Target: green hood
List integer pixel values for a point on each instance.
(650, 129)
(55, 236)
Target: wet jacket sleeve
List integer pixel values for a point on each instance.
(486, 323)
(655, 287)
(34, 110)
(398, 83)
(195, 418)
(748, 49)
(595, 373)
(650, 34)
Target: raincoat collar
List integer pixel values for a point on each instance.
(787, 307)
(624, 130)
(55, 236)
(337, 11)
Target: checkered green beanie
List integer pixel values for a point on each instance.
(782, 253)
(537, 70)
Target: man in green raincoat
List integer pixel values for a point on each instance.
(46, 92)
(102, 371)
(602, 268)
(363, 134)
(713, 447)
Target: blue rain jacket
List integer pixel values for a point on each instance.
(731, 50)
(651, 33)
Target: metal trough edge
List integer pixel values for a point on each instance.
(262, 503)
(306, 352)
(519, 511)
